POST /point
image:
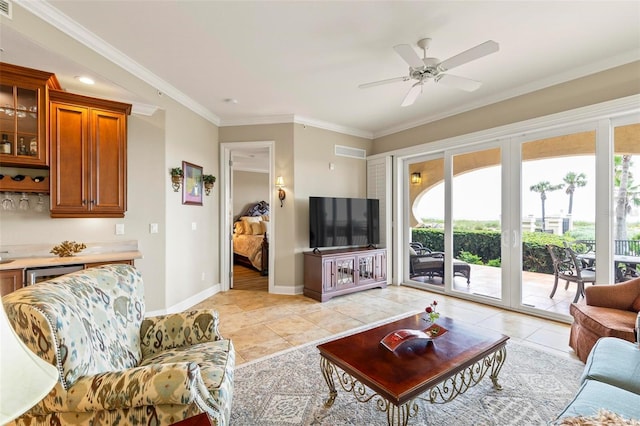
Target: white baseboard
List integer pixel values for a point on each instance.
(289, 291)
(187, 303)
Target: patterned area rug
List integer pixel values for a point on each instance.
(288, 389)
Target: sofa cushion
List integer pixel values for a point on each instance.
(636, 304)
(623, 373)
(216, 362)
(594, 395)
(605, 322)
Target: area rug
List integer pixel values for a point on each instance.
(288, 389)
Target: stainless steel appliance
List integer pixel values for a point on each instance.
(36, 275)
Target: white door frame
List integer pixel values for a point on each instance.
(226, 210)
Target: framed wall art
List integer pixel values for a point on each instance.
(192, 185)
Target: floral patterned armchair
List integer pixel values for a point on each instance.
(115, 366)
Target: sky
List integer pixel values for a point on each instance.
(477, 194)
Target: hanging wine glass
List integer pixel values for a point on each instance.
(24, 202)
(7, 202)
(40, 204)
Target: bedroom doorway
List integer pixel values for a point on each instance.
(247, 251)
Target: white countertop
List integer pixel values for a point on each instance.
(38, 262)
(38, 255)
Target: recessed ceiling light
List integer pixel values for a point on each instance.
(231, 101)
(85, 80)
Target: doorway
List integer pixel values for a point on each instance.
(246, 174)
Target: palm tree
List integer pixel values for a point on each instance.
(627, 194)
(573, 181)
(543, 188)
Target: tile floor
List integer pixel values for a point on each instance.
(262, 324)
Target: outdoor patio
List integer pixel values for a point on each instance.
(536, 288)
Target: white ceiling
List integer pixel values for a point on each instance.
(304, 60)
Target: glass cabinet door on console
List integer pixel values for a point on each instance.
(23, 116)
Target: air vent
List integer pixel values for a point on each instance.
(5, 8)
(347, 151)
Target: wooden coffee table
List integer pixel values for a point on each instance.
(441, 369)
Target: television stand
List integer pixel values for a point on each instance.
(333, 273)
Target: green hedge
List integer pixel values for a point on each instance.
(486, 245)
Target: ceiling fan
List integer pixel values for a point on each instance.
(426, 69)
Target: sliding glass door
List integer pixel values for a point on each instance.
(558, 198)
(484, 220)
(456, 225)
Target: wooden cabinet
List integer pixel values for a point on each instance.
(88, 156)
(336, 272)
(23, 116)
(10, 280)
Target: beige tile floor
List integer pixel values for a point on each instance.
(262, 324)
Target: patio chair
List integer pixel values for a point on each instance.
(424, 262)
(566, 266)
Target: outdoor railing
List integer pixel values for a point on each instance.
(621, 247)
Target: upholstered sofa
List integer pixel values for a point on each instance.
(610, 382)
(607, 311)
(117, 367)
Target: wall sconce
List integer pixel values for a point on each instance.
(280, 185)
(416, 178)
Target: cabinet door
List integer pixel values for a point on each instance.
(23, 121)
(328, 275)
(10, 280)
(108, 163)
(69, 159)
(345, 272)
(380, 270)
(366, 268)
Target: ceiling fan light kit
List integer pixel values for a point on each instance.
(425, 69)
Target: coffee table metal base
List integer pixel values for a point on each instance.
(444, 392)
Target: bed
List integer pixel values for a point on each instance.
(250, 238)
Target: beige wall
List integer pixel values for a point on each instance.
(311, 150)
(248, 189)
(604, 86)
(175, 258)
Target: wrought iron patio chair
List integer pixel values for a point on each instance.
(566, 266)
(431, 263)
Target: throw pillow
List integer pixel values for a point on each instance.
(256, 228)
(412, 252)
(603, 418)
(251, 219)
(240, 228)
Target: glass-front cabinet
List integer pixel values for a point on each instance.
(23, 110)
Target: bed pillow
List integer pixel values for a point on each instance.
(251, 219)
(240, 228)
(256, 228)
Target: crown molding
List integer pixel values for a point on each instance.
(292, 118)
(51, 15)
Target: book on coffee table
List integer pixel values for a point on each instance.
(395, 339)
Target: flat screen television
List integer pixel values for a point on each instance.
(341, 222)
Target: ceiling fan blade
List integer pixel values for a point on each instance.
(458, 82)
(412, 95)
(409, 55)
(472, 54)
(389, 80)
